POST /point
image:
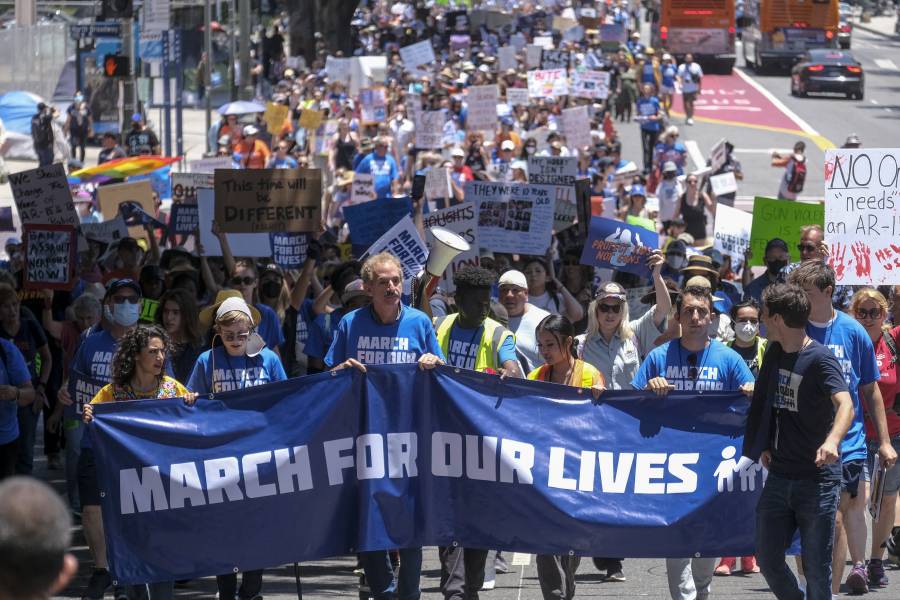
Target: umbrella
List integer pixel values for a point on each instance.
(241, 107)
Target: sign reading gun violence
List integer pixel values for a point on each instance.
(49, 256)
(780, 219)
(268, 200)
(862, 215)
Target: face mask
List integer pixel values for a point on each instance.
(675, 262)
(530, 149)
(79, 98)
(270, 289)
(125, 314)
(774, 267)
(746, 331)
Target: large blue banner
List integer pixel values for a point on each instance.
(333, 464)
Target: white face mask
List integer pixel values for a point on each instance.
(746, 331)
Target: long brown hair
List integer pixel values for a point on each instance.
(190, 321)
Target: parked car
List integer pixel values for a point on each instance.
(845, 32)
(828, 70)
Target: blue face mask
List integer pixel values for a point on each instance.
(79, 98)
(125, 314)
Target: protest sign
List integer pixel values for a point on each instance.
(437, 184)
(184, 186)
(552, 170)
(781, 219)
(722, 184)
(106, 232)
(460, 219)
(516, 217)
(209, 165)
(613, 33)
(373, 105)
(366, 72)
(718, 155)
(555, 59)
(862, 215)
(648, 224)
(563, 24)
(183, 219)
(576, 126)
(518, 41)
(289, 249)
(310, 119)
(732, 234)
(506, 58)
(50, 252)
(619, 246)
(369, 221)
(590, 84)
(241, 244)
(517, 97)
(430, 129)
(544, 41)
(547, 84)
(403, 241)
(110, 197)
(417, 55)
(275, 116)
(565, 209)
(482, 101)
(363, 188)
(270, 200)
(574, 34)
(338, 69)
(533, 56)
(6, 219)
(42, 196)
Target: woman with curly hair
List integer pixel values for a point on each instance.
(138, 371)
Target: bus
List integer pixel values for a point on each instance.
(780, 31)
(704, 28)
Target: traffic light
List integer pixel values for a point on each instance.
(115, 65)
(117, 9)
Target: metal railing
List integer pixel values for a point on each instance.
(34, 57)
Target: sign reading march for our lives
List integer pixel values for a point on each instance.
(294, 477)
(183, 219)
(513, 217)
(781, 219)
(862, 215)
(268, 200)
(289, 249)
(619, 246)
(370, 220)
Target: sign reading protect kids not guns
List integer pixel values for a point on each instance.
(862, 215)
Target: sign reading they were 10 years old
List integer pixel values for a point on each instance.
(268, 200)
(862, 215)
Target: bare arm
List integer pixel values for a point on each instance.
(511, 369)
(301, 288)
(875, 407)
(663, 300)
(829, 451)
(227, 256)
(153, 256)
(205, 272)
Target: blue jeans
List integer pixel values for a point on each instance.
(27, 432)
(44, 155)
(74, 431)
(380, 575)
(788, 505)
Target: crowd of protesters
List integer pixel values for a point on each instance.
(159, 317)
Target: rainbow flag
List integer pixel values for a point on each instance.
(121, 168)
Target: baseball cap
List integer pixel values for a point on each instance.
(611, 290)
(676, 246)
(250, 130)
(457, 152)
(513, 278)
(13, 241)
(508, 145)
(119, 284)
(669, 167)
(352, 290)
(777, 244)
(136, 118)
(638, 190)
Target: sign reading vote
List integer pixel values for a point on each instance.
(268, 200)
(619, 246)
(42, 196)
(49, 256)
(781, 219)
(862, 215)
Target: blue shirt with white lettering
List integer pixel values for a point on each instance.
(321, 333)
(464, 343)
(853, 348)
(384, 169)
(14, 372)
(234, 372)
(648, 106)
(359, 335)
(716, 368)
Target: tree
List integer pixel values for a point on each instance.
(330, 18)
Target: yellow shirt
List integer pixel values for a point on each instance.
(583, 375)
(168, 388)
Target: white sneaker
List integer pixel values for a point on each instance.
(690, 121)
(488, 585)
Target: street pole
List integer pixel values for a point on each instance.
(246, 81)
(167, 96)
(232, 76)
(179, 94)
(207, 76)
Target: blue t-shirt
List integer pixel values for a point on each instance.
(464, 343)
(269, 327)
(15, 372)
(648, 73)
(321, 333)
(648, 107)
(234, 372)
(851, 345)
(668, 73)
(384, 170)
(359, 335)
(716, 368)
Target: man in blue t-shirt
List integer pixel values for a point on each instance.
(648, 111)
(693, 362)
(382, 166)
(853, 348)
(386, 332)
(15, 391)
(801, 411)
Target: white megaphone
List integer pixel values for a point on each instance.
(446, 246)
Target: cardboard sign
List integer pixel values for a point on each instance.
(544, 41)
(241, 244)
(373, 105)
(482, 103)
(515, 218)
(403, 241)
(460, 219)
(722, 184)
(110, 197)
(42, 196)
(590, 84)
(417, 55)
(517, 97)
(106, 232)
(862, 215)
(310, 119)
(275, 116)
(506, 58)
(548, 84)
(184, 186)
(363, 188)
(555, 59)
(338, 69)
(430, 129)
(268, 200)
(289, 249)
(184, 219)
(718, 155)
(369, 221)
(50, 252)
(533, 55)
(732, 234)
(552, 170)
(576, 126)
(366, 72)
(437, 184)
(565, 209)
(781, 219)
(209, 165)
(619, 246)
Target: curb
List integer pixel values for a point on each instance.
(866, 27)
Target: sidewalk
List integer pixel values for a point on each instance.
(883, 26)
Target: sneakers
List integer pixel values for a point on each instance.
(857, 581)
(500, 565)
(97, 585)
(488, 585)
(726, 565)
(120, 593)
(748, 565)
(54, 463)
(614, 572)
(875, 570)
(689, 122)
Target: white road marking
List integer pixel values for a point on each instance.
(762, 150)
(806, 127)
(521, 579)
(874, 101)
(694, 152)
(521, 559)
(885, 63)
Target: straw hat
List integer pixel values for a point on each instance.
(208, 315)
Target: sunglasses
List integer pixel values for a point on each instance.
(128, 299)
(872, 313)
(692, 366)
(605, 308)
(246, 280)
(230, 337)
(806, 248)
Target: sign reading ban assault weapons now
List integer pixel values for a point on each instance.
(268, 200)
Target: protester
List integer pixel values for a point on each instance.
(693, 206)
(178, 315)
(812, 247)
(42, 133)
(523, 316)
(16, 393)
(649, 112)
(79, 125)
(690, 76)
(139, 137)
(775, 258)
(794, 171)
(546, 292)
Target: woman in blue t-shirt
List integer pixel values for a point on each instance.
(15, 391)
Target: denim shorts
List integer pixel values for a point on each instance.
(892, 478)
(852, 472)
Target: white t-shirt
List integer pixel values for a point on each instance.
(668, 192)
(545, 302)
(690, 77)
(526, 342)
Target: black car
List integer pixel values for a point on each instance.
(828, 70)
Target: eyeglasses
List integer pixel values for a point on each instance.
(230, 337)
(128, 299)
(872, 313)
(605, 308)
(806, 247)
(692, 366)
(246, 280)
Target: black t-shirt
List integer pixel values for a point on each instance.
(108, 154)
(28, 340)
(804, 413)
(750, 356)
(135, 140)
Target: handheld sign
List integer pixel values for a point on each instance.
(268, 200)
(781, 219)
(732, 234)
(42, 196)
(722, 184)
(183, 219)
(184, 186)
(107, 231)
(111, 197)
(370, 220)
(289, 249)
(363, 188)
(619, 246)
(515, 217)
(49, 256)
(275, 116)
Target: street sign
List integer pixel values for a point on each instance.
(93, 30)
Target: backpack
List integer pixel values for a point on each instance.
(798, 176)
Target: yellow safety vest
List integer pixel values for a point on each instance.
(492, 337)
